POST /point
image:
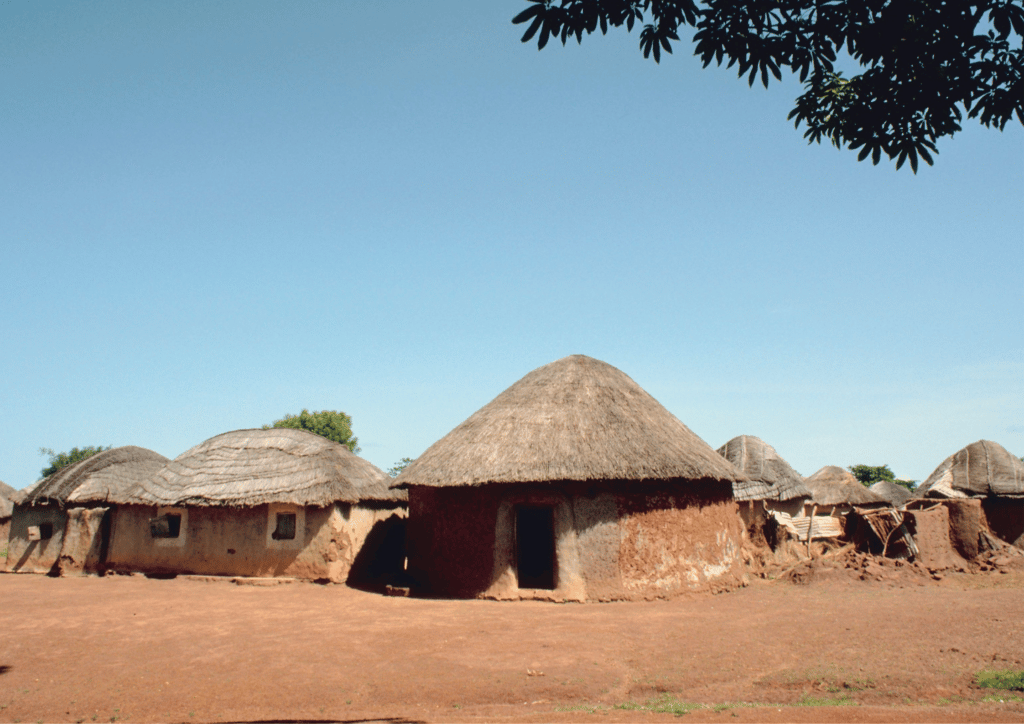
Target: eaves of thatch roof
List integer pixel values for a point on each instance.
(109, 476)
(770, 477)
(981, 469)
(832, 485)
(280, 465)
(576, 419)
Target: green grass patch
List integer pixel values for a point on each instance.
(663, 705)
(1005, 679)
(843, 700)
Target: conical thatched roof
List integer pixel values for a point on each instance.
(833, 485)
(106, 476)
(279, 465)
(6, 491)
(771, 477)
(895, 494)
(575, 419)
(980, 469)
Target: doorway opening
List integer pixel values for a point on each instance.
(535, 547)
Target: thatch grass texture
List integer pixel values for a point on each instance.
(770, 477)
(982, 468)
(279, 465)
(109, 476)
(575, 419)
(832, 485)
(895, 494)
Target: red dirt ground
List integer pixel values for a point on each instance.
(138, 650)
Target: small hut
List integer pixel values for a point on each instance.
(572, 484)
(836, 491)
(897, 495)
(987, 472)
(773, 493)
(770, 479)
(62, 523)
(261, 503)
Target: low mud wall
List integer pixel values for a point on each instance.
(238, 541)
(35, 556)
(650, 542)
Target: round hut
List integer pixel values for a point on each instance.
(572, 484)
(836, 490)
(986, 472)
(260, 503)
(897, 495)
(62, 524)
(769, 477)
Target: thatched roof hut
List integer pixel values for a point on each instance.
(572, 484)
(108, 476)
(576, 419)
(246, 468)
(770, 477)
(983, 468)
(895, 494)
(832, 485)
(265, 503)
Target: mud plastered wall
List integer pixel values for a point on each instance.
(84, 548)
(451, 535)
(673, 543)
(233, 542)
(609, 546)
(1005, 517)
(35, 556)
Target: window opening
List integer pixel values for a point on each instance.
(43, 531)
(285, 529)
(167, 525)
(535, 547)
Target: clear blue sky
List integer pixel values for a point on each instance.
(213, 214)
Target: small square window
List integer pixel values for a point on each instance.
(285, 529)
(167, 525)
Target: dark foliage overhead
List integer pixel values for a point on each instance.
(924, 63)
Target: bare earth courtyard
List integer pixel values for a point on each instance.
(128, 648)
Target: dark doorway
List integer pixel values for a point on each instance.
(535, 547)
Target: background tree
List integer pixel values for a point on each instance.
(924, 63)
(63, 459)
(331, 424)
(396, 469)
(868, 475)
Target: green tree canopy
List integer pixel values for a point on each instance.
(868, 475)
(396, 469)
(331, 424)
(59, 460)
(923, 63)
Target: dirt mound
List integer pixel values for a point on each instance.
(847, 564)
